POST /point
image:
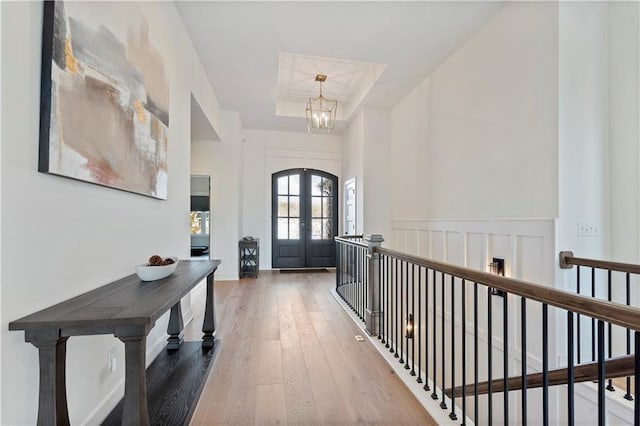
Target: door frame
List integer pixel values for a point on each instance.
(347, 183)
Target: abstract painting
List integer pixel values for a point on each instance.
(104, 112)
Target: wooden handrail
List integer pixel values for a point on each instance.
(614, 368)
(567, 258)
(611, 312)
(351, 240)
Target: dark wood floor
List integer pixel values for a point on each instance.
(288, 356)
(174, 381)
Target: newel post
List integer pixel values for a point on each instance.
(373, 312)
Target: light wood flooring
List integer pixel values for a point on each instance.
(288, 356)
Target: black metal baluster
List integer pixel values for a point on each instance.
(570, 372)
(489, 356)
(394, 349)
(419, 328)
(601, 375)
(627, 395)
(593, 321)
(345, 272)
(366, 283)
(475, 353)
(343, 277)
(380, 299)
(343, 253)
(406, 316)
(359, 282)
(390, 307)
(523, 355)
(426, 330)
(381, 312)
(505, 358)
(338, 268)
(636, 380)
(402, 320)
(452, 415)
(443, 404)
(578, 319)
(434, 395)
(413, 313)
(464, 352)
(545, 365)
(356, 286)
(351, 272)
(363, 285)
(363, 281)
(387, 314)
(609, 336)
(355, 279)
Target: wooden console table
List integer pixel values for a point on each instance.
(127, 308)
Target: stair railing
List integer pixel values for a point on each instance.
(449, 328)
(604, 280)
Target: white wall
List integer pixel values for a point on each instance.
(365, 152)
(222, 161)
(624, 124)
(376, 172)
(584, 126)
(267, 152)
(62, 237)
(353, 164)
(483, 125)
(409, 157)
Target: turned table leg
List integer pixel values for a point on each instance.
(175, 327)
(52, 400)
(135, 410)
(209, 323)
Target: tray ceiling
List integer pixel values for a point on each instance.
(261, 57)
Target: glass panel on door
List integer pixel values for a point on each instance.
(289, 207)
(321, 208)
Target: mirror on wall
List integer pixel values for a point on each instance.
(200, 215)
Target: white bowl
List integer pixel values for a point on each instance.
(152, 273)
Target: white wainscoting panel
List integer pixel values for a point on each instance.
(528, 246)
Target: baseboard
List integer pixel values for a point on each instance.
(187, 316)
(103, 409)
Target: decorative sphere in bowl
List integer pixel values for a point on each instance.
(152, 273)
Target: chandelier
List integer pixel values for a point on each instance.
(321, 112)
